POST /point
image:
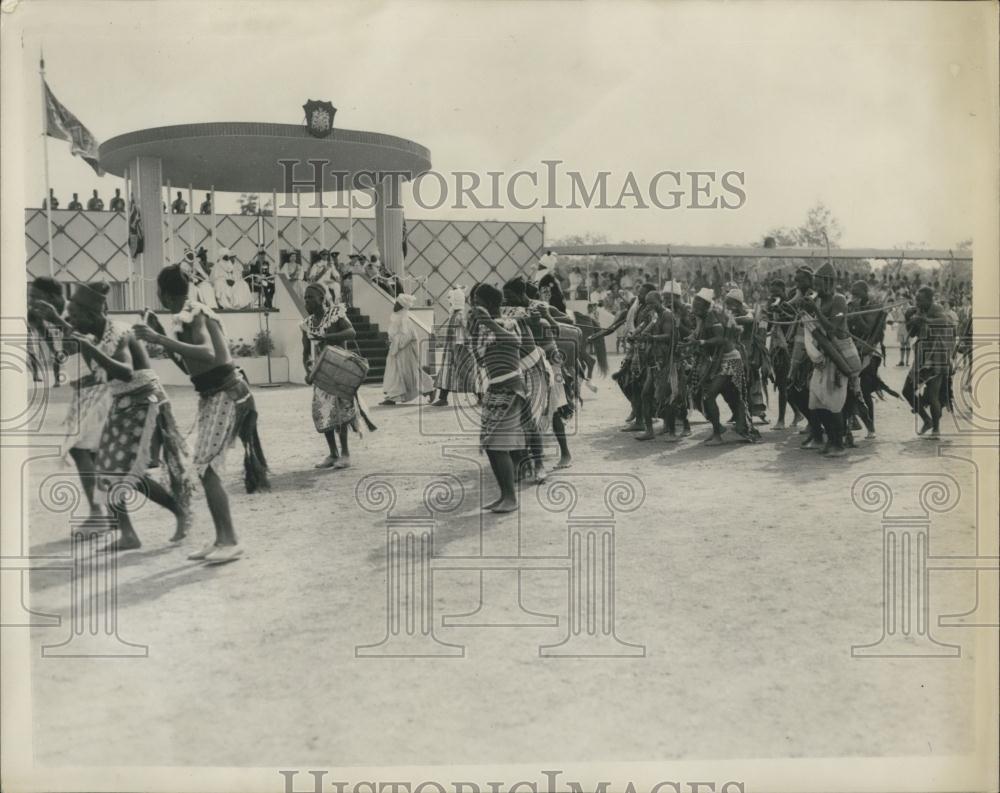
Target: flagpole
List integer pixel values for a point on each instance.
(275, 244)
(215, 252)
(322, 224)
(298, 221)
(170, 226)
(45, 145)
(128, 247)
(350, 223)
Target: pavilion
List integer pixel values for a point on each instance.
(247, 157)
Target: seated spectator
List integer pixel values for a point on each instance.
(192, 267)
(95, 204)
(179, 207)
(292, 265)
(231, 290)
(75, 203)
(206, 205)
(260, 280)
(117, 203)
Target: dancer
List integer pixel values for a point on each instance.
(750, 341)
(676, 372)
(405, 379)
(779, 352)
(90, 402)
(719, 371)
(654, 339)
(496, 348)
(327, 324)
(226, 408)
(928, 383)
(834, 356)
(626, 376)
(866, 323)
(458, 368)
(140, 425)
(43, 334)
(537, 373)
(561, 351)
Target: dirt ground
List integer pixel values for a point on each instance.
(746, 574)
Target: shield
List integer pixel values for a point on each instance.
(319, 117)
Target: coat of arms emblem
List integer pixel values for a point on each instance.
(319, 117)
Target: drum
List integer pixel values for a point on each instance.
(340, 372)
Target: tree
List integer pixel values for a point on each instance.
(819, 229)
(248, 203)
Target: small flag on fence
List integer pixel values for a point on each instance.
(61, 124)
(136, 240)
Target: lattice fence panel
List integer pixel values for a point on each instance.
(441, 253)
(88, 246)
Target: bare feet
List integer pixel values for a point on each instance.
(714, 440)
(836, 451)
(633, 427)
(671, 437)
(648, 435)
(123, 543)
(440, 403)
(492, 504)
(342, 462)
(183, 524)
(224, 553)
(540, 474)
(328, 462)
(780, 425)
(204, 552)
(505, 505)
(564, 462)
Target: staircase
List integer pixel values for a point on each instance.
(372, 343)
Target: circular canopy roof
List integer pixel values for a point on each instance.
(243, 157)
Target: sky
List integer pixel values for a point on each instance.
(877, 110)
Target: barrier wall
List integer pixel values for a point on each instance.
(91, 246)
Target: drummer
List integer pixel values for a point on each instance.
(327, 323)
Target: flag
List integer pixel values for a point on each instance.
(405, 246)
(136, 240)
(61, 124)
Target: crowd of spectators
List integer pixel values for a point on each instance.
(117, 204)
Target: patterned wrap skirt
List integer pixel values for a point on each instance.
(331, 412)
(139, 433)
(226, 411)
(88, 412)
(501, 426)
(458, 366)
